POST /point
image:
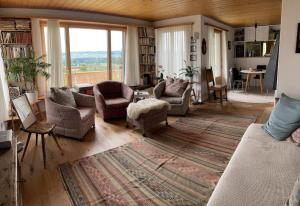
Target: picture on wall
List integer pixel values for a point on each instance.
(298, 40)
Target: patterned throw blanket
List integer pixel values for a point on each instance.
(177, 165)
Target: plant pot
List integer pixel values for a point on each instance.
(32, 96)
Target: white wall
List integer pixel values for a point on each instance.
(289, 61)
(251, 62)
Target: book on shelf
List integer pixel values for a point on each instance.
(147, 50)
(147, 59)
(5, 139)
(16, 52)
(146, 41)
(16, 38)
(146, 32)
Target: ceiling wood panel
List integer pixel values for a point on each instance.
(231, 12)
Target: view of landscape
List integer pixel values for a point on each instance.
(89, 56)
(91, 66)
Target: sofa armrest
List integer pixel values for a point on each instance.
(159, 89)
(127, 92)
(83, 100)
(187, 94)
(99, 98)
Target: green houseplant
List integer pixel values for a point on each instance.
(189, 71)
(25, 70)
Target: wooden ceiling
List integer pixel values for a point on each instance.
(231, 12)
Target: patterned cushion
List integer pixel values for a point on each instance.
(175, 88)
(63, 96)
(296, 136)
(294, 199)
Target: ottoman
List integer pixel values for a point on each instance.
(147, 113)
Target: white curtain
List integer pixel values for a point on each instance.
(4, 95)
(54, 55)
(132, 72)
(173, 48)
(211, 46)
(38, 51)
(224, 58)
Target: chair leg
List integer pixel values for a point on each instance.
(56, 141)
(226, 94)
(44, 150)
(221, 96)
(36, 139)
(28, 138)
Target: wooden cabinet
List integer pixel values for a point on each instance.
(249, 34)
(262, 33)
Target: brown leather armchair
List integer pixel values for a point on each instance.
(112, 99)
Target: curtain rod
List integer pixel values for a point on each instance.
(183, 24)
(219, 28)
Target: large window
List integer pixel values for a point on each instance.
(91, 54)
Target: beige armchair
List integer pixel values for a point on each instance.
(179, 105)
(72, 121)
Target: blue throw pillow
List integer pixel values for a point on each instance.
(284, 119)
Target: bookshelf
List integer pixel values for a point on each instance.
(15, 38)
(146, 41)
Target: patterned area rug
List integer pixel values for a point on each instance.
(177, 165)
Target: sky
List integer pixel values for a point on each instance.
(90, 40)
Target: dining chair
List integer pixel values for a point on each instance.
(213, 88)
(31, 125)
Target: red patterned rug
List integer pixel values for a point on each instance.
(177, 165)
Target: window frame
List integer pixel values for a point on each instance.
(86, 25)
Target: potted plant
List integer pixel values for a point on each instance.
(189, 71)
(25, 70)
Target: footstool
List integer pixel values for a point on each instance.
(147, 113)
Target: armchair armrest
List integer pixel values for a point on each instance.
(127, 92)
(187, 93)
(159, 89)
(83, 100)
(99, 98)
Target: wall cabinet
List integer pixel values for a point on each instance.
(262, 33)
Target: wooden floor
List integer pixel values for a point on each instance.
(44, 186)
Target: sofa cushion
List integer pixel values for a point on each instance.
(262, 171)
(116, 103)
(172, 100)
(284, 119)
(175, 88)
(294, 199)
(63, 96)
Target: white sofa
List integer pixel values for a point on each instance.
(261, 172)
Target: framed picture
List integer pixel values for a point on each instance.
(193, 57)
(298, 40)
(193, 48)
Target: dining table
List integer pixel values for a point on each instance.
(251, 73)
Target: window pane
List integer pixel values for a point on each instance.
(63, 48)
(117, 55)
(88, 55)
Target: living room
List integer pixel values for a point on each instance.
(149, 102)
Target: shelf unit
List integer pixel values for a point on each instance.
(146, 42)
(15, 38)
(246, 46)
